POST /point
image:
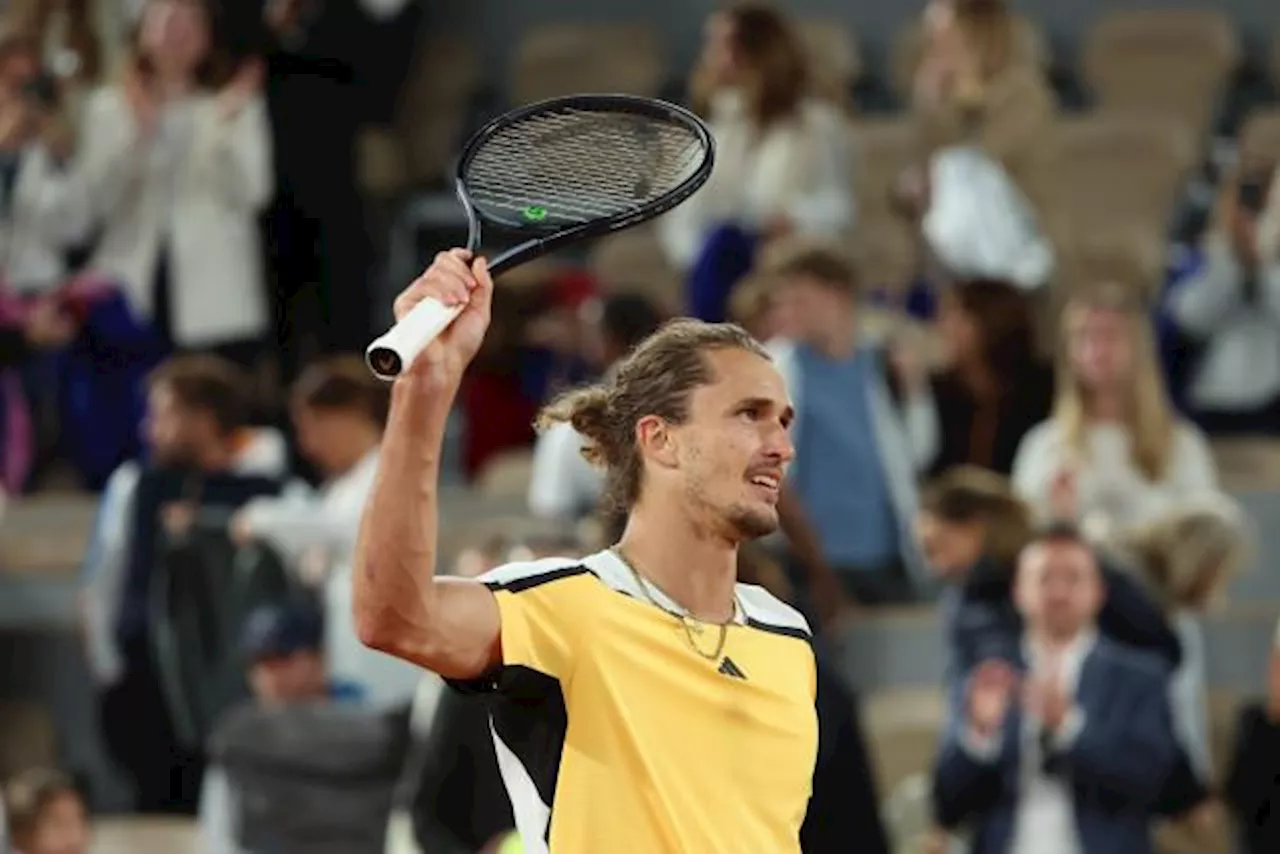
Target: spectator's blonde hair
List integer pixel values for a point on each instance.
(1149, 417)
(656, 378)
(1188, 555)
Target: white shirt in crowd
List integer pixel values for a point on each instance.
(46, 215)
(1044, 819)
(979, 223)
(799, 168)
(320, 527)
(563, 484)
(106, 564)
(1112, 493)
(1239, 369)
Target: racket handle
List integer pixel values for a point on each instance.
(394, 352)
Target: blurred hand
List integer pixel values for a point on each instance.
(141, 101)
(48, 327)
(778, 226)
(1044, 698)
(555, 330)
(990, 695)
(241, 89)
(1273, 688)
(1206, 818)
(934, 841)
(178, 517)
(57, 137)
(1244, 236)
(908, 365)
(454, 278)
(15, 121)
(239, 529)
(282, 15)
(1064, 495)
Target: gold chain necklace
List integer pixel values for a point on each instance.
(693, 627)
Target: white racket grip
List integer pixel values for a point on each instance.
(394, 352)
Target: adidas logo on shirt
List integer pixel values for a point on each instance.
(728, 668)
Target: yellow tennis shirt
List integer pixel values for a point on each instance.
(614, 736)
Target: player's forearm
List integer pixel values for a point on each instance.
(397, 547)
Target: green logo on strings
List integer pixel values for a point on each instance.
(535, 213)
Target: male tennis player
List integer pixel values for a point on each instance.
(645, 701)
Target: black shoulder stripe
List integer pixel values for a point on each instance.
(527, 582)
(786, 631)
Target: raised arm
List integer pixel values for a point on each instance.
(449, 626)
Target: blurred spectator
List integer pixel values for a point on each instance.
(43, 215)
(46, 813)
(177, 172)
(1227, 315)
(1114, 454)
(863, 429)
(753, 305)
(332, 66)
(972, 529)
(564, 485)
(1065, 751)
(1186, 558)
(80, 42)
(995, 387)
(975, 220)
(201, 455)
(283, 645)
(973, 88)
(1253, 787)
(783, 158)
(339, 410)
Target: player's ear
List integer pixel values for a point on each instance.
(656, 441)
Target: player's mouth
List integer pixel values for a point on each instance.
(768, 484)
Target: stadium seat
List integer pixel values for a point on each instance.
(507, 475)
(1030, 47)
(1260, 134)
(1108, 185)
(885, 243)
(634, 262)
(139, 835)
(1249, 464)
(902, 726)
(836, 60)
(434, 106)
(1169, 62)
(27, 738)
(560, 59)
(46, 535)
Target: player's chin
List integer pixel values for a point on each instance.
(756, 520)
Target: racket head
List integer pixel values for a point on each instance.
(581, 166)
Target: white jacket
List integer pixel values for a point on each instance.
(1240, 366)
(324, 523)
(800, 168)
(197, 196)
(46, 215)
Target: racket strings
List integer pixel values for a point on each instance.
(580, 165)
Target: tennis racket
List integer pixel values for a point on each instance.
(555, 173)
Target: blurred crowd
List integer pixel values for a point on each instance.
(1011, 422)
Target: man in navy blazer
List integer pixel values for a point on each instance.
(1066, 750)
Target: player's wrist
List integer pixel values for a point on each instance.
(423, 401)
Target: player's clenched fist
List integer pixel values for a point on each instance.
(454, 278)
